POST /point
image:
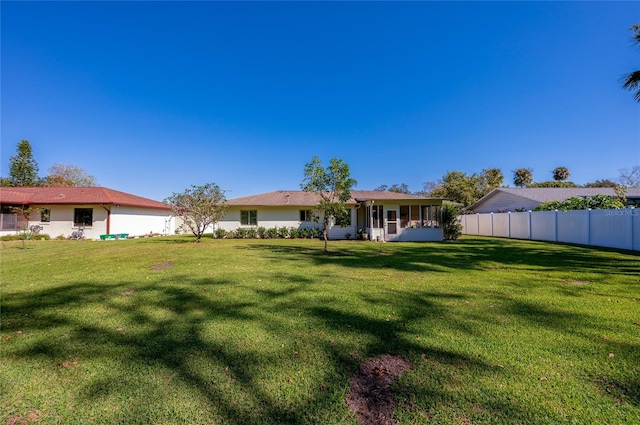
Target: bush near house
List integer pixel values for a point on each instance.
(451, 226)
(23, 236)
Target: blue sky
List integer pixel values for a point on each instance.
(152, 97)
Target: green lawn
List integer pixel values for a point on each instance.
(165, 331)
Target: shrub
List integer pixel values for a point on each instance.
(220, 233)
(26, 236)
(283, 232)
(597, 202)
(251, 233)
(272, 233)
(347, 236)
(262, 232)
(241, 233)
(451, 226)
(294, 232)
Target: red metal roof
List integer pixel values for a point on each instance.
(75, 196)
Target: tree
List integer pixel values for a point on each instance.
(552, 183)
(23, 169)
(561, 173)
(457, 186)
(64, 175)
(333, 186)
(488, 180)
(397, 188)
(631, 81)
(630, 177)
(464, 189)
(601, 183)
(199, 207)
(429, 188)
(523, 177)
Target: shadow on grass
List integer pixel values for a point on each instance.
(465, 254)
(140, 330)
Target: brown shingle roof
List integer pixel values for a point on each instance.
(308, 199)
(75, 196)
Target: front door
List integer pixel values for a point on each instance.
(392, 222)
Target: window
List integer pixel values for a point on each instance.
(249, 217)
(45, 215)
(83, 216)
(306, 215)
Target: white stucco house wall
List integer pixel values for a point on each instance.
(382, 216)
(97, 210)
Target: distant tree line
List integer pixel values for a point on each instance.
(466, 189)
(23, 172)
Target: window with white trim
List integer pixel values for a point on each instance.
(249, 217)
(306, 215)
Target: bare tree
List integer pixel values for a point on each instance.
(65, 175)
(630, 177)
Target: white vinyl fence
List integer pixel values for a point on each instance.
(609, 228)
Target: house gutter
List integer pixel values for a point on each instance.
(108, 218)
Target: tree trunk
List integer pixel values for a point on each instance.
(324, 235)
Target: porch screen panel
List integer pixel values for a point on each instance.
(378, 217)
(436, 215)
(404, 216)
(426, 215)
(415, 216)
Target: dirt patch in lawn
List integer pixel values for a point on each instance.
(575, 282)
(162, 266)
(370, 395)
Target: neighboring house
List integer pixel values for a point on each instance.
(525, 199)
(384, 216)
(98, 210)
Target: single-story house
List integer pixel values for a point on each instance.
(524, 199)
(97, 210)
(382, 216)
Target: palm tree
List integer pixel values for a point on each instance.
(523, 177)
(561, 173)
(631, 81)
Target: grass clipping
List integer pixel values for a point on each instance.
(370, 395)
